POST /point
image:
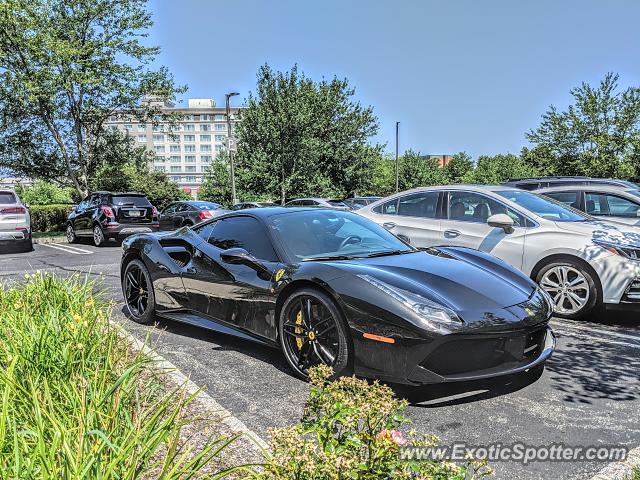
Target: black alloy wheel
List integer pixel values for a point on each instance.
(138, 292)
(312, 332)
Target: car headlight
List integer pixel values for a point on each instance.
(432, 315)
(632, 253)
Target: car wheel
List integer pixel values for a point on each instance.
(138, 292)
(98, 236)
(571, 286)
(71, 234)
(27, 245)
(311, 331)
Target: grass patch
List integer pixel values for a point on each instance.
(36, 235)
(76, 402)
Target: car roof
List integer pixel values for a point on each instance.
(270, 212)
(459, 186)
(599, 188)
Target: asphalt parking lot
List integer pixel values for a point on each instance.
(588, 395)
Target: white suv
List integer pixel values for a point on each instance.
(582, 263)
(15, 222)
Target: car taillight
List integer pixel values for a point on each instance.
(154, 211)
(13, 210)
(108, 212)
(204, 214)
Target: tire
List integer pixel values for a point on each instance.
(137, 290)
(27, 245)
(321, 339)
(572, 286)
(71, 234)
(98, 236)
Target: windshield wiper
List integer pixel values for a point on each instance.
(389, 252)
(329, 257)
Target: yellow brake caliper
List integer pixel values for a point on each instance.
(298, 330)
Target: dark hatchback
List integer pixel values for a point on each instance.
(107, 216)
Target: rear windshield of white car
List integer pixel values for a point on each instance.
(543, 207)
(133, 200)
(7, 197)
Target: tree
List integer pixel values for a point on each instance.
(300, 137)
(65, 67)
(598, 135)
(418, 171)
(459, 168)
(499, 168)
(216, 186)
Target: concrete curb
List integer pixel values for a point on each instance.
(620, 470)
(202, 397)
(42, 240)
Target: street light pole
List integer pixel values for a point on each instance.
(234, 199)
(397, 165)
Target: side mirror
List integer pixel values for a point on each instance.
(239, 256)
(501, 220)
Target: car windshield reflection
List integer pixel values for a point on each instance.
(544, 207)
(328, 234)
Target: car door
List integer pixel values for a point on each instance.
(232, 293)
(610, 206)
(85, 215)
(465, 224)
(413, 218)
(166, 217)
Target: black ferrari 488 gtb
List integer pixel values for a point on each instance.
(329, 286)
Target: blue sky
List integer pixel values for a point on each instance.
(470, 75)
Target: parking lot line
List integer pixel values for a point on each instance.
(68, 249)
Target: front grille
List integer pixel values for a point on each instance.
(471, 354)
(633, 291)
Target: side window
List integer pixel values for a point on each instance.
(528, 186)
(183, 207)
(84, 204)
(423, 205)
(473, 207)
(607, 204)
(568, 198)
(170, 209)
(388, 208)
(94, 201)
(243, 232)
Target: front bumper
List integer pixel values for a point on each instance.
(617, 275)
(469, 357)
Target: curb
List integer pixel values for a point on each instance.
(234, 424)
(620, 470)
(43, 240)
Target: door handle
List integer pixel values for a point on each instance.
(388, 225)
(451, 233)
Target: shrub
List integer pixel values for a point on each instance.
(45, 193)
(349, 429)
(75, 402)
(49, 218)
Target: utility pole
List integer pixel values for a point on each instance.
(397, 164)
(234, 199)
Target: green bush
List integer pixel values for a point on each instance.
(75, 402)
(49, 218)
(349, 429)
(45, 193)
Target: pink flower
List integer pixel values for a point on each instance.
(394, 436)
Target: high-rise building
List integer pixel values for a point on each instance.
(184, 150)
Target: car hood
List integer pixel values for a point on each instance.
(472, 284)
(609, 232)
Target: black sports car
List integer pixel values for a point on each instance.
(333, 287)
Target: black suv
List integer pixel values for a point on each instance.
(535, 183)
(111, 216)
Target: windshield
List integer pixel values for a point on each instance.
(323, 234)
(336, 203)
(7, 197)
(542, 206)
(135, 200)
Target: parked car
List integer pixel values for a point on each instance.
(105, 216)
(245, 205)
(581, 262)
(618, 204)
(535, 183)
(355, 203)
(317, 202)
(15, 222)
(188, 213)
(329, 286)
